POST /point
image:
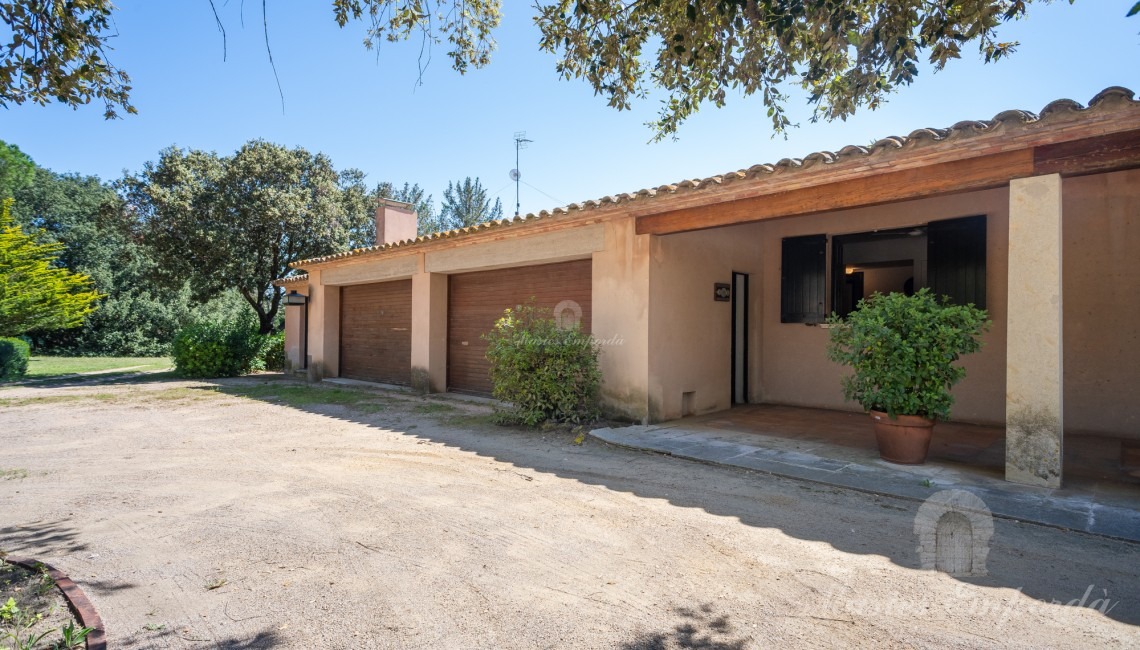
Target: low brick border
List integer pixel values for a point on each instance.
(77, 601)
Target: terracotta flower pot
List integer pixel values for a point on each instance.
(905, 439)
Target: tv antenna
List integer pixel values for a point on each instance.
(520, 143)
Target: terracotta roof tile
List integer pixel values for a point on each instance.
(292, 279)
(819, 159)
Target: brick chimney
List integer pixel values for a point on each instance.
(395, 221)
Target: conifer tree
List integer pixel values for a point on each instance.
(34, 292)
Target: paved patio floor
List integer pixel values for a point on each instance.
(838, 448)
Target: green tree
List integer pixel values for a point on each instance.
(237, 222)
(16, 170)
(361, 202)
(86, 217)
(34, 293)
(465, 203)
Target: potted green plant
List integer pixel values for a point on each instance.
(902, 351)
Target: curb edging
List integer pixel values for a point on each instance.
(77, 601)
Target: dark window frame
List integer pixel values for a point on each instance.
(957, 246)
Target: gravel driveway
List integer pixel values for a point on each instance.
(259, 513)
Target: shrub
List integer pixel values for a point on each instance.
(14, 355)
(274, 352)
(543, 371)
(219, 348)
(902, 350)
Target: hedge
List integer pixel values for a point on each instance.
(14, 355)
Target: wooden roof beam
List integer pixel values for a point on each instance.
(1098, 154)
(983, 172)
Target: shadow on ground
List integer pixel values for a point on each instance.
(264, 640)
(103, 587)
(101, 379)
(41, 539)
(699, 628)
(258, 641)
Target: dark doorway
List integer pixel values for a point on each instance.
(739, 338)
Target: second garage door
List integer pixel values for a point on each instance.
(477, 300)
(376, 332)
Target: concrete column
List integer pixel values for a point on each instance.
(1033, 410)
(324, 328)
(621, 319)
(429, 330)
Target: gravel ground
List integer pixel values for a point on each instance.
(195, 517)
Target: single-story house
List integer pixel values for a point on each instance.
(711, 292)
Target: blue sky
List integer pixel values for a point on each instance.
(365, 110)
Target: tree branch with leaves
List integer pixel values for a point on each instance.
(58, 52)
(846, 55)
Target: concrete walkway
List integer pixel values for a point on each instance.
(1110, 514)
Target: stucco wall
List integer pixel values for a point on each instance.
(324, 328)
(620, 318)
(1101, 266)
(557, 246)
(429, 331)
(690, 333)
(795, 369)
(395, 267)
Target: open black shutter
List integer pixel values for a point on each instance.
(956, 260)
(803, 278)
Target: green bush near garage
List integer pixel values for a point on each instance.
(542, 370)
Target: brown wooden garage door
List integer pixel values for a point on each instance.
(477, 300)
(376, 332)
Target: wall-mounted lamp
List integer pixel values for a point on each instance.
(295, 298)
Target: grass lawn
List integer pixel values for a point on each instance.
(55, 366)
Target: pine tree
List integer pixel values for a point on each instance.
(465, 203)
(34, 293)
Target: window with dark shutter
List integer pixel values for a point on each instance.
(956, 259)
(803, 279)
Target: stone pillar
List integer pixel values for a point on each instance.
(429, 330)
(1033, 411)
(324, 328)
